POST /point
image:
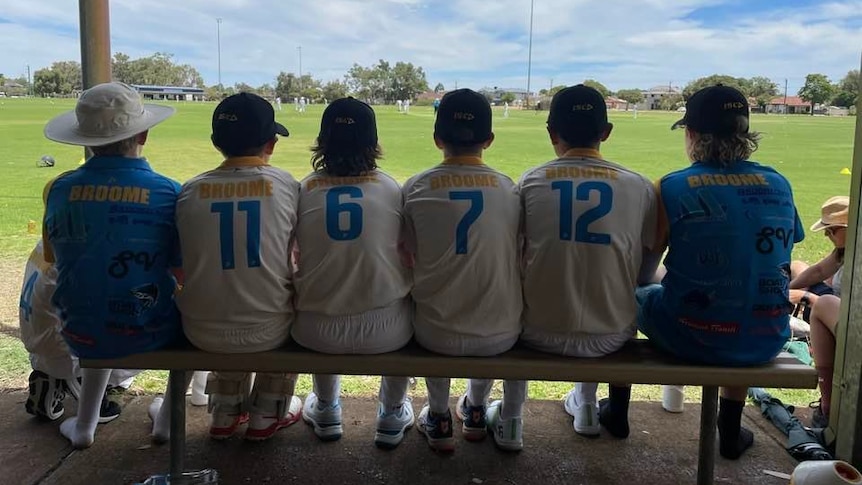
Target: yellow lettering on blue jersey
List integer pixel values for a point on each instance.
(109, 193)
(734, 180)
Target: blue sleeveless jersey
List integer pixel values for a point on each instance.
(110, 226)
(731, 233)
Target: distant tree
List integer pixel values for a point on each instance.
(671, 102)
(243, 88)
(286, 86)
(847, 90)
(439, 88)
(739, 83)
(817, 89)
(310, 88)
(543, 92)
(266, 90)
(762, 89)
(61, 78)
(554, 90)
(508, 97)
(384, 82)
(598, 87)
(630, 96)
(214, 93)
(335, 90)
(46, 82)
(120, 68)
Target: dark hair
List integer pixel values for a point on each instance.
(338, 162)
(579, 137)
(724, 150)
(242, 152)
(463, 150)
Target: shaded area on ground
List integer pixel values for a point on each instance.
(662, 449)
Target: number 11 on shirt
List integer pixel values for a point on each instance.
(226, 232)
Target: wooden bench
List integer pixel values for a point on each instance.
(637, 363)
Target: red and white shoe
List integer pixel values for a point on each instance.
(269, 416)
(225, 419)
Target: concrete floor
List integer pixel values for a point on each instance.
(662, 449)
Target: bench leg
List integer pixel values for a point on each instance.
(177, 388)
(708, 421)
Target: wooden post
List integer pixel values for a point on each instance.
(846, 414)
(95, 22)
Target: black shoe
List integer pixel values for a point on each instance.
(818, 419)
(46, 395)
(109, 410)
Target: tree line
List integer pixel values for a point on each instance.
(385, 82)
(382, 82)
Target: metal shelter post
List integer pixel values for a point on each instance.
(846, 414)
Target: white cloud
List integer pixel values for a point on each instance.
(623, 43)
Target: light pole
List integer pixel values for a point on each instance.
(218, 44)
(530, 54)
(299, 49)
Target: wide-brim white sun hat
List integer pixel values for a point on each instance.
(105, 114)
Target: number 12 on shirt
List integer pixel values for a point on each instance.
(226, 232)
(568, 193)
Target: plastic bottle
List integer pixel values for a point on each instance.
(207, 476)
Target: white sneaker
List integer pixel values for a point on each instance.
(325, 420)
(226, 415)
(270, 415)
(508, 434)
(392, 425)
(586, 415)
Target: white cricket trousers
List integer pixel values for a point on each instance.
(376, 331)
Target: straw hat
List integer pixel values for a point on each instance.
(833, 212)
(105, 114)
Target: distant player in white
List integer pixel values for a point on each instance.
(399, 105)
(587, 222)
(406, 105)
(278, 102)
(302, 103)
(351, 286)
(55, 370)
(505, 109)
(462, 229)
(235, 225)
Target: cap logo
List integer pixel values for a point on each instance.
(227, 116)
(459, 115)
(733, 105)
(582, 107)
(345, 120)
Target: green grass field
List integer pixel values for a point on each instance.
(809, 151)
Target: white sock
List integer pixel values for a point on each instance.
(586, 392)
(81, 429)
(199, 385)
(160, 413)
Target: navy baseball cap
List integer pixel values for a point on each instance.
(463, 118)
(578, 109)
(348, 123)
(714, 110)
(244, 121)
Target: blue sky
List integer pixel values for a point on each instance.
(471, 43)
